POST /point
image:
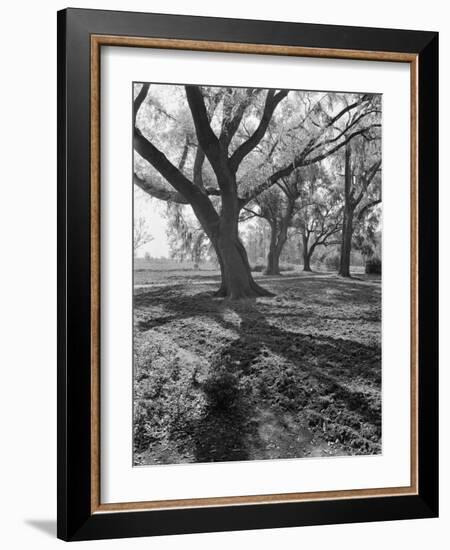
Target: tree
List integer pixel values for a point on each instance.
(362, 164)
(319, 214)
(256, 237)
(218, 133)
(221, 227)
(141, 235)
(277, 206)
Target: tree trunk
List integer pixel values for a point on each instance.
(273, 262)
(221, 292)
(237, 280)
(278, 238)
(346, 246)
(306, 261)
(273, 257)
(349, 209)
(306, 253)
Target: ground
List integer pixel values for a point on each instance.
(295, 375)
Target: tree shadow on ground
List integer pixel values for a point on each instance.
(224, 430)
(233, 387)
(326, 359)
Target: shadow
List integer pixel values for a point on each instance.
(196, 276)
(225, 429)
(240, 378)
(174, 305)
(46, 526)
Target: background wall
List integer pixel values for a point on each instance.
(28, 273)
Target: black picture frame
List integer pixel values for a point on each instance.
(75, 518)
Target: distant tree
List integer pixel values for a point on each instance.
(141, 234)
(321, 220)
(277, 206)
(362, 182)
(319, 212)
(256, 238)
(291, 252)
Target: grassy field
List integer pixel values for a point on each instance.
(295, 375)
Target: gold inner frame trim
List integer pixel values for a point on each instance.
(97, 41)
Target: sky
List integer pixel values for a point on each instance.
(152, 210)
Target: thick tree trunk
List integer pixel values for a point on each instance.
(306, 261)
(221, 292)
(237, 280)
(346, 246)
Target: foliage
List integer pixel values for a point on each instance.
(332, 262)
(187, 240)
(373, 266)
(141, 234)
(366, 237)
(235, 153)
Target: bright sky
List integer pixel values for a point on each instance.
(152, 210)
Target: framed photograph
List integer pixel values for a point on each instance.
(247, 255)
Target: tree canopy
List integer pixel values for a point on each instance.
(294, 158)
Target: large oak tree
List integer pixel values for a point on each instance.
(222, 140)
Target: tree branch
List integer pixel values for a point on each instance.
(199, 201)
(231, 124)
(350, 107)
(139, 100)
(159, 191)
(366, 207)
(299, 162)
(198, 167)
(367, 179)
(161, 163)
(272, 100)
(206, 137)
(322, 156)
(250, 211)
(341, 133)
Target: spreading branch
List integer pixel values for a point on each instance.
(206, 137)
(231, 122)
(192, 194)
(366, 208)
(272, 100)
(159, 191)
(139, 100)
(299, 162)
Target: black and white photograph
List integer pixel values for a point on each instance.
(257, 274)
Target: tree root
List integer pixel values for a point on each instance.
(252, 291)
